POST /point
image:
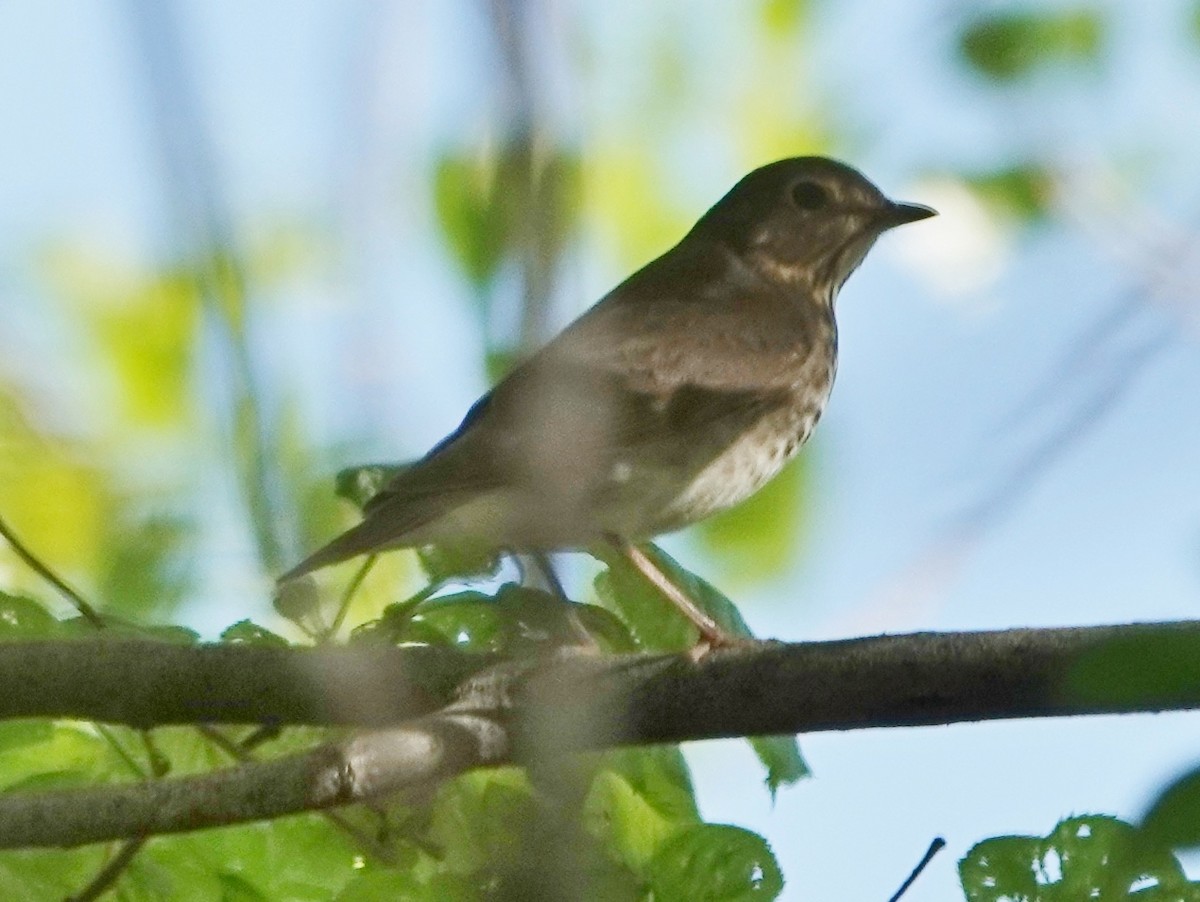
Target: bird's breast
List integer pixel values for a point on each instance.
(757, 453)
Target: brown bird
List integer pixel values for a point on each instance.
(678, 395)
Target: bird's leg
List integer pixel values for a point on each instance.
(545, 568)
(711, 634)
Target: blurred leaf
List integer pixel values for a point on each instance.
(389, 885)
(782, 759)
(460, 561)
(758, 538)
(144, 324)
(498, 362)
(246, 632)
(144, 567)
(481, 819)
(297, 600)
(715, 862)
(475, 213)
(1154, 665)
(783, 18)
(1021, 192)
(1173, 819)
(1085, 857)
(24, 618)
(626, 198)
(358, 485)
(60, 503)
(1010, 45)
(29, 875)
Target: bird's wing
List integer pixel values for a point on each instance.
(690, 340)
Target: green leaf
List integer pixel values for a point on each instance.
(247, 632)
(358, 485)
(459, 561)
(715, 862)
(783, 18)
(1134, 667)
(144, 566)
(1173, 819)
(480, 819)
(660, 775)
(392, 885)
(653, 620)
(1085, 857)
(626, 822)
(470, 620)
(1011, 45)
(758, 538)
(24, 618)
(297, 600)
(17, 733)
(782, 759)
(475, 212)
(1021, 192)
(34, 874)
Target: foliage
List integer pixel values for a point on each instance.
(1085, 857)
(625, 826)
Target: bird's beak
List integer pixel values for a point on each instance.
(896, 214)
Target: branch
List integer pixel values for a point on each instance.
(515, 711)
(144, 683)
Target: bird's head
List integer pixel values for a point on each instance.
(805, 221)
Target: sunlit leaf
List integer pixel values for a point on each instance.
(783, 18)
(631, 828)
(781, 757)
(55, 496)
(660, 776)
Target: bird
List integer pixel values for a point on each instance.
(677, 395)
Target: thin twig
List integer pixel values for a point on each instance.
(37, 566)
(107, 877)
(348, 596)
(934, 847)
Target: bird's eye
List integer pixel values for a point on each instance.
(809, 196)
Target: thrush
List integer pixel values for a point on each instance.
(677, 395)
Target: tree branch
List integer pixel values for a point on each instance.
(143, 683)
(514, 711)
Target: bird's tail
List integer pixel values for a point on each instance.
(385, 527)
